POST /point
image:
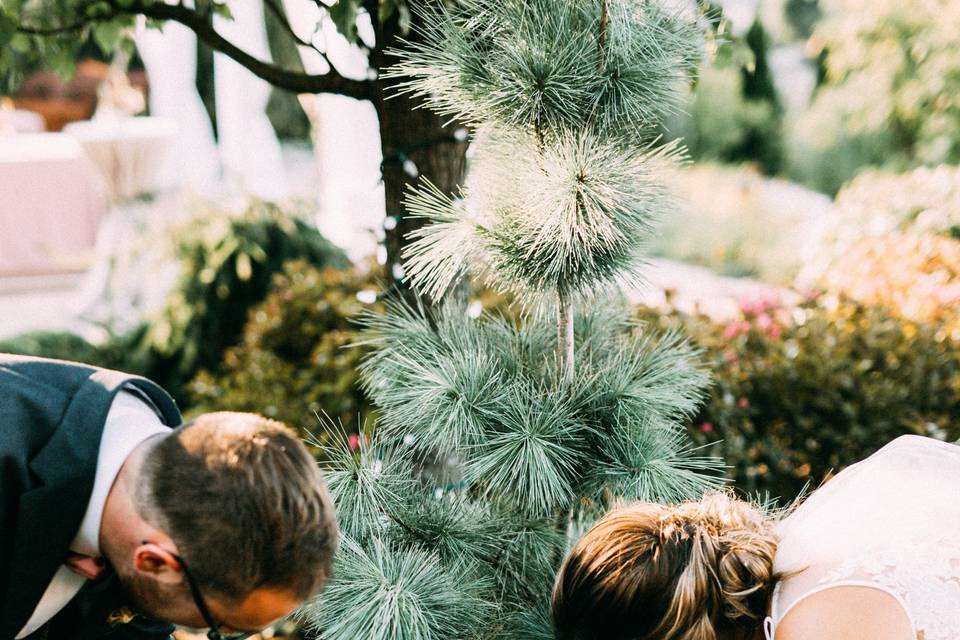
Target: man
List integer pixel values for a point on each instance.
(115, 525)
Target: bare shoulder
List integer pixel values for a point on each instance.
(847, 613)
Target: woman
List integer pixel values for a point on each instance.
(873, 554)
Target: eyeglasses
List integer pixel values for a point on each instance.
(214, 633)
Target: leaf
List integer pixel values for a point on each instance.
(406, 20)
(20, 43)
(62, 61)
(107, 35)
(388, 7)
(222, 10)
(344, 15)
(128, 46)
(127, 20)
(98, 10)
(8, 29)
(11, 7)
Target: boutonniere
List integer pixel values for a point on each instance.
(119, 616)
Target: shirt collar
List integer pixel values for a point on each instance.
(130, 421)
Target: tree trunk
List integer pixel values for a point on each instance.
(415, 144)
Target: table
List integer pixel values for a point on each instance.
(20, 121)
(130, 152)
(51, 202)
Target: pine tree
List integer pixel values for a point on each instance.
(540, 423)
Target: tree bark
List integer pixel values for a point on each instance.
(414, 140)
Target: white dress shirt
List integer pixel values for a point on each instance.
(131, 420)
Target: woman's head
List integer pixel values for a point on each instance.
(691, 571)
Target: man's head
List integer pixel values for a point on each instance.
(236, 498)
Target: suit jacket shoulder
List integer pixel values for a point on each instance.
(52, 414)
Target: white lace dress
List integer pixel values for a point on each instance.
(890, 522)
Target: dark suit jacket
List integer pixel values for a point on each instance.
(100, 612)
(52, 415)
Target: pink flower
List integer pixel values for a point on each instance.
(764, 322)
(735, 328)
(354, 441)
(770, 301)
(775, 331)
(762, 304)
(749, 307)
(731, 356)
(706, 427)
(743, 403)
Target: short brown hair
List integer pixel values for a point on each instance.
(661, 572)
(243, 500)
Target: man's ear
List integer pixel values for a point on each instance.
(160, 564)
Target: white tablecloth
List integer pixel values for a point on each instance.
(130, 152)
(20, 121)
(51, 202)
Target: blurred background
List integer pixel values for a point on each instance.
(164, 210)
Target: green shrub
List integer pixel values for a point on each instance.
(802, 392)
(295, 361)
(890, 92)
(735, 115)
(824, 154)
(228, 262)
(62, 346)
(726, 126)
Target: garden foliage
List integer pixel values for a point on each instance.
(735, 114)
(62, 345)
(803, 392)
(227, 264)
(889, 96)
(529, 427)
(296, 359)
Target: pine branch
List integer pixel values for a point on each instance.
(565, 337)
(604, 35)
(542, 421)
(388, 593)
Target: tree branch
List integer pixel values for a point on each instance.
(282, 17)
(288, 79)
(279, 77)
(604, 26)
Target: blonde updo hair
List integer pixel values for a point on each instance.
(668, 572)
